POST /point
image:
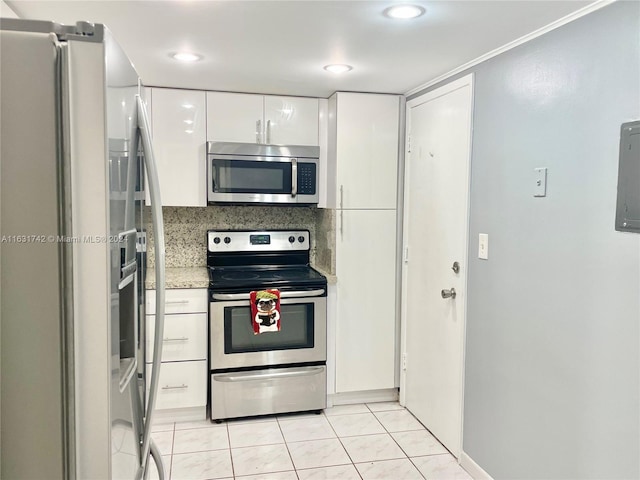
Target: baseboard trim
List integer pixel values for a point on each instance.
(171, 415)
(367, 396)
(475, 470)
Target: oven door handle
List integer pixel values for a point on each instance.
(247, 377)
(246, 296)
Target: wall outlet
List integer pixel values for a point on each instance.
(483, 246)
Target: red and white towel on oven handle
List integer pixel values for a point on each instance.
(265, 311)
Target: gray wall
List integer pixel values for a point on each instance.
(553, 329)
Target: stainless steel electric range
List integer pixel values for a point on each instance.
(272, 372)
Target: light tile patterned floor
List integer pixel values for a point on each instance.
(376, 441)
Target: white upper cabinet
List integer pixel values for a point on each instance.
(179, 138)
(291, 120)
(365, 151)
(234, 117)
(246, 118)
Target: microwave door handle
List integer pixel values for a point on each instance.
(294, 177)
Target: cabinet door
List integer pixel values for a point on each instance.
(179, 137)
(179, 300)
(233, 117)
(185, 337)
(181, 384)
(367, 150)
(366, 307)
(291, 120)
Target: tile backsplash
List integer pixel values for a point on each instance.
(186, 227)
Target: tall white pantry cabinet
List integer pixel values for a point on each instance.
(363, 155)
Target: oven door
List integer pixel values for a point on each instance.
(261, 179)
(301, 339)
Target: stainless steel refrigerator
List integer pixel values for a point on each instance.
(75, 143)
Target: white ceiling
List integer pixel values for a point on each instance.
(280, 47)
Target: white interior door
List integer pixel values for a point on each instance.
(436, 231)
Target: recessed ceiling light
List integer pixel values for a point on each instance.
(403, 12)
(187, 105)
(189, 122)
(338, 68)
(186, 57)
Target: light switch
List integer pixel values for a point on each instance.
(540, 186)
(483, 246)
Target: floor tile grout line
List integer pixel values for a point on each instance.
(430, 433)
(320, 439)
(173, 438)
(213, 450)
(233, 468)
(399, 446)
(416, 467)
(387, 432)
(279, 421)
(403, 451)
(344, 448)
(287, 447)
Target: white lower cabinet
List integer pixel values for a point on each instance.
(365, 322)
(182, 384)
(183, 371)
(185, 337)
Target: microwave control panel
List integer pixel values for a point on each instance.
(306, 178)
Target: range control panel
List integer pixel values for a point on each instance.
(260, 241)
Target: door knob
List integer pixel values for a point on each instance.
(448, 293)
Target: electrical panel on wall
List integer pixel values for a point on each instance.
(628, 206)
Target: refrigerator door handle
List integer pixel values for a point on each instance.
(158, 232)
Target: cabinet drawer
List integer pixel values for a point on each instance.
(182, 385)
(261, 392)
(187, 300)
(185, 337)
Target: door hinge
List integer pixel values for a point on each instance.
(404, 361)
(406, 255)
(409, 143)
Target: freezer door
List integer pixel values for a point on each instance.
(100, 85)
(33, 343)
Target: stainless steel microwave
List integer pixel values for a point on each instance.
(245, 173)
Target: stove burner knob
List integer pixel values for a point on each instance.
(227, 240)
(216, 240)
(292, 239)
(301, 239)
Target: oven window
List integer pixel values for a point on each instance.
(296, 330)
(240, 176)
